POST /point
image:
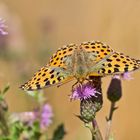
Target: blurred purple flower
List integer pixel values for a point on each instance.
(127, 76)
(84, 92)
(46, 116)
(26, 117)
(2, 27)
(124, 76)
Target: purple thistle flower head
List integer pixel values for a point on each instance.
(2, 27)
(46, 116)
(84, 92)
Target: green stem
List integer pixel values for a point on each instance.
(109, 120)
(95, 131)
(3, 123)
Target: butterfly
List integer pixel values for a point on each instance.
(81, 62)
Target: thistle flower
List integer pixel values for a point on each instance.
(2, 27)
(84, 92)
(46, 116)
(90, 99)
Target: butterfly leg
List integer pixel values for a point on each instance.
(65, 81)
(73, 86)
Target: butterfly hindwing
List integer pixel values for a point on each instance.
(46, 77)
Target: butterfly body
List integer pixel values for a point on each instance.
(80, 62)
(80, 67)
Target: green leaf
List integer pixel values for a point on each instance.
(59, 133)
(6, 88)
(4, 138)
(16, 130)
(32, 132)
(36, 126)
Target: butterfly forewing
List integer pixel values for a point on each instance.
(100, 49)
(118, 63)
(46, 77)
(55, 71)
(58, 59)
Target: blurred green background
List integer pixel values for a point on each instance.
(37, 28)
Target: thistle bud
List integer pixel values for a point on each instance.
(114, 92)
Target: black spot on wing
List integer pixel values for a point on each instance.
(47, 83)
(124, 62)
(43, 74)
(38, 86)
(52, 71)
(37, 80)
(109, 60)
(52, 76)
(116, 70)
(45, 79)
(70, 49)
(118, 59)
(109, 65)
(126, 69)
(59, 78)
(109, 71)
(39, 73)
(116, 65)
(103, 70)
(93, 47)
